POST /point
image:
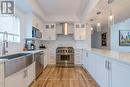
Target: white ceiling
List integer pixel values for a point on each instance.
(120, 10)
(59, 10)
(63, 9)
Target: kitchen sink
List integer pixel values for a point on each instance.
(17, 62)
(14, 56)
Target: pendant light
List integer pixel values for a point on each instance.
(98, 27)
(92, 30)
(110, 16)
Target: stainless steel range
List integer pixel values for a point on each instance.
(65, 55)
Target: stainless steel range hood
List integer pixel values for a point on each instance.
(65, 28)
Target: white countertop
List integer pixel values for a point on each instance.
(122, 57)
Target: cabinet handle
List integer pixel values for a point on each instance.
(106, 64)
(109, 65)
(86, 54)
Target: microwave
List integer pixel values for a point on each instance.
(36, 33)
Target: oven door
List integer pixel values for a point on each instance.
(65, 59)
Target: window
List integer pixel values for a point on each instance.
(11, 25)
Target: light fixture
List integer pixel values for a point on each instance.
(98, 27)
(65, 29)
(98, 24)
(91, 28)
(110, 16)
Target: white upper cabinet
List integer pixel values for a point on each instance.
(49, 31)
(32, 21)
(79, 31)
(37, 23)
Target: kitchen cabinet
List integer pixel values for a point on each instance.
(92, 65)
(1, 74)
(37, 23)
(79, 31)
(120, 74)
(16, 80)
(106, 71)
(49, 32)
(45, 58)
(98, 68)
(32, 21)
(102, 72)
(78, 56)
(22, 78)
(52, 56)
(30, 74)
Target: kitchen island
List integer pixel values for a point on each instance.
(108, 68)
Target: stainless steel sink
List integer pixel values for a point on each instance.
(17, 62)
(14, 56)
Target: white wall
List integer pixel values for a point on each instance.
(124, 25)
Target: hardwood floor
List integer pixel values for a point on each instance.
(60, 76)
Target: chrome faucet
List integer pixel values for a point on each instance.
(5, 43)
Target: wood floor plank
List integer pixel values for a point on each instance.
(60, 76)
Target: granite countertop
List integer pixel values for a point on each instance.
(119, 56)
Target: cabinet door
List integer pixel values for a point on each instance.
(77, 34)
(52, 56)
(84, 58)
(16, 80)
(78, 56)
(120, 75)
(52, 34)
(1, 74)
(45, 58)
(83, 34)
(46, 34)
(92, 65)
(31, 73)
(102, 71)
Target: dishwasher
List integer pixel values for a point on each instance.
(39, 60)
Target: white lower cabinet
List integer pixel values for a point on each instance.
(102, 74)
(108, 72)
(120, 74)
(1, 74)
(30, 74)
(45, 58)
(92, 65)
(52, 56)
(78, 56)
(16, 80)
(22, 78)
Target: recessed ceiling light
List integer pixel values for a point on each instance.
(91, 19)
(98, 13)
